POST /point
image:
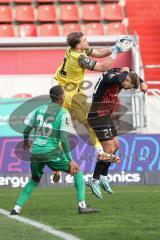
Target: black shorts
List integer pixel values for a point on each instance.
(103, 127)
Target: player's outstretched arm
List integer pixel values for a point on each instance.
(105, 65)
(100, 53)
(123, 44)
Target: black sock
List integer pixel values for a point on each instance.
(105, 170)
(99, 169)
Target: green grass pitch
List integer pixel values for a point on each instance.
(131, 213)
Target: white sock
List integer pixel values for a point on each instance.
(103, 178)
(95, 180)
(82, 204)
(17, 208)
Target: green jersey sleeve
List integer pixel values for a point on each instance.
(30, 119)
(65, 122)
(30, 123)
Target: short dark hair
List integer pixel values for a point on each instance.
(73, 38)
(55, 92)
(134, 79)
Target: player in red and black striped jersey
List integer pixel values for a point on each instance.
(104, 100)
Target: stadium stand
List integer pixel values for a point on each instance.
(63, 13)
(146, 24)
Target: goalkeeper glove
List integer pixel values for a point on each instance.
(123, 44)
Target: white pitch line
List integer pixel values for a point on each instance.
(41, 226)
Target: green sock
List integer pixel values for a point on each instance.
(80, 186)
(26, 192)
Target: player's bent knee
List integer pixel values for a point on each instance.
(78, 173)
(36, 179)
(110, 149)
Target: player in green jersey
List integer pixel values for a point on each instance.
(50, 123)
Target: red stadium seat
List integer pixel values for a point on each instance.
(23, 1)
(6, 30)
(48, 30)
(68, 1)
(22, 95)
(94, 29)
(46, 13)
(24, 13)
(71, 27)
(89, 1)
(113, 12)
(5, 13)
(91, 12)
(27, 30)
(116, 29)
(45, 1)
(108, 1)
(5, 1)
(69, 13)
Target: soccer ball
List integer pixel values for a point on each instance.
(124, 43)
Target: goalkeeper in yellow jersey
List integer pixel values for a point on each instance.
(70, 74)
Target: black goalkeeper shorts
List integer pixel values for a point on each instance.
(103, 127)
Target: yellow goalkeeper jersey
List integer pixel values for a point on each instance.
(73, 67)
